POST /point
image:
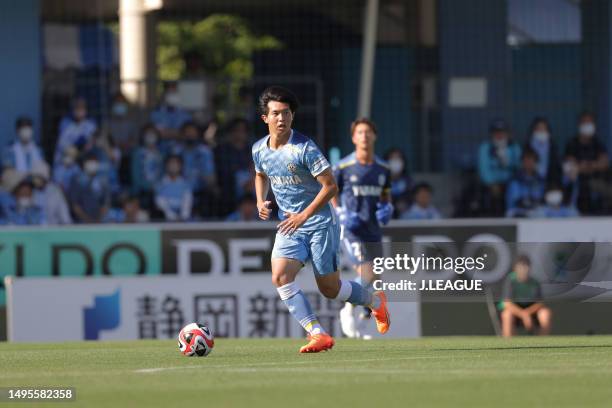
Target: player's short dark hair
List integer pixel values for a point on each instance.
(277, 94)
(523, 260)
(363, 121)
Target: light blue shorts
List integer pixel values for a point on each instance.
(319, 246)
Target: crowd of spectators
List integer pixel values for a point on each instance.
(170, 168)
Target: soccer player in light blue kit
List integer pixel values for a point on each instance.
(303, 184)
(363, 205)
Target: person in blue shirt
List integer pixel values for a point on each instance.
(75, 130)
(540, 138)
(422, 208)
(109, 157)
(363, 206)
(498, 159)
(173, 194)
(168, 117)
(557, 204)
(24, 153)
(526, 190)
(21, 207)
(89, 193)
(303, 184)
(147, 164)
(67, 168)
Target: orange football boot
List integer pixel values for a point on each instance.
(318, 342)
(381, 314)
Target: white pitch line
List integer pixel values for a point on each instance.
(270, 363)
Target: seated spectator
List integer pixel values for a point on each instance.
(168, 117)
(89, 192)
(590, 156)
(401, 183)
(522, 301)
(21, 209)
(24, 152)
(233, 163)
(109, 157)
(147, 164)
(246, 211)
(49, 197)
(129, 213)
(67, 168)
(541, 140)
(422, 208)
(557, 204)
(498, 160)
(74, 130)
(173, 195)
(525, 191)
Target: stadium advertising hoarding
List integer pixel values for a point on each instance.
(215, 270)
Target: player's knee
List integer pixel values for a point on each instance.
(544, 315)
(506, 315)
(329, 290)
(279, 279)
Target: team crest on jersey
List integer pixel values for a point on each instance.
(381, 179)
(292, 167)
(353, 178)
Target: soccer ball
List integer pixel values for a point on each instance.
(195, 340)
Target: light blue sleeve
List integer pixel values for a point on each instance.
(314, 160)
(208, 162)
(484, 164)
(255, 153)
(512, 194)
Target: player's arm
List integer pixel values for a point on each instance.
(262, 187)
(337, 172)
(384, 207)
(328, 190)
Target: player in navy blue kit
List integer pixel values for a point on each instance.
(303, 184)
(363, 204)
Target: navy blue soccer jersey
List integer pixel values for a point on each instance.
(361, 186)
(292, 171)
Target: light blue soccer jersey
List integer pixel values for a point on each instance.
(292, 170)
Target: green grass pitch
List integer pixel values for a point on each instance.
(461, 371)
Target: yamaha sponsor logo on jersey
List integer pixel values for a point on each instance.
(291, 167)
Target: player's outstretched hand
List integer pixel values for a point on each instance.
(290, 224)
(264, 210)
(384, 212)
(350, 219)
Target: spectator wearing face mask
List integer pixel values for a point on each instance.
(74, 130)
(401, 183)
(21, 208)
(123, 123)
(109, 157)
(589, 156)
(67, 168)
(23, 153)
(422, 208)
(89, 192)
(526, 190)
(173, 195)
(499, 158)
(49, 197)
(147, 164)
(540, 139)
(168, 117)
(557, 204)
